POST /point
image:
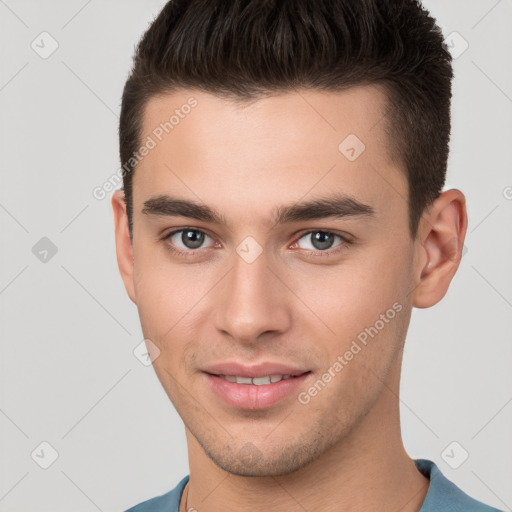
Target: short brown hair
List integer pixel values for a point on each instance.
(247, 49)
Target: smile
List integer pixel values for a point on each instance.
(256, 381)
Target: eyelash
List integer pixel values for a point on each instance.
(330, 252)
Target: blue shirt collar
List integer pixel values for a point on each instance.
(442, 495)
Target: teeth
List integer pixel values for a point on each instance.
(257, 381)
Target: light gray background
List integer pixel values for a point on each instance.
(68, 374)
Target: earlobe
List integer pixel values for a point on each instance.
(124, 247)
(442, 232)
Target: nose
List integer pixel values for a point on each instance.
(252, 302)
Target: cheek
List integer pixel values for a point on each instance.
(363, 301)
(379, 279)
(157, 294)
(157, 281)
(354, 296)
(169, 297)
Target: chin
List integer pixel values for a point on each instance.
(250, 461)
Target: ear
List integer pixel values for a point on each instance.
(440, 240)
(124, 247)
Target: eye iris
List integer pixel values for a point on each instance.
(322, 240)
(192, 239)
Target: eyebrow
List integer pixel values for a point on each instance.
(339, 206)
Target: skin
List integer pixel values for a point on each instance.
(289, 305)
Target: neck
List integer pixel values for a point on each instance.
(367, 470)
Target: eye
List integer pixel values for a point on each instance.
(188, 239)
(321, 241)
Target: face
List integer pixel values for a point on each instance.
(260, 277)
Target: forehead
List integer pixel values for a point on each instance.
(272, 150)
(298, 115)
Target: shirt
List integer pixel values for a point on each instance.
(442, 495)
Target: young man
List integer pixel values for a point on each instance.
(281, 215)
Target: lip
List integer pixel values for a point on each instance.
(252, 397)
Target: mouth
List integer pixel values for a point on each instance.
(258, 381)
(257, 392)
